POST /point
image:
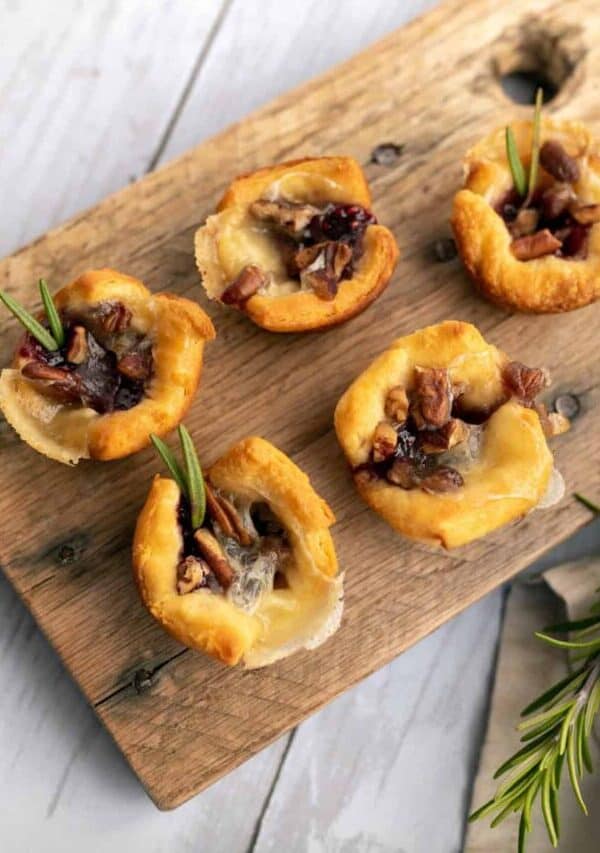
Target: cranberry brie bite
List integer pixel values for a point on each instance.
(296, 246)
(240, 565)
(527, 222)
(109, 364)
(444, 437)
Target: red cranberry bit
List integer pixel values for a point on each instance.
(345, 222)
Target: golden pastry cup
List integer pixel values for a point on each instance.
(231, 239)
(549, 284)
(303, 615)
(67, 433)
(513, 470)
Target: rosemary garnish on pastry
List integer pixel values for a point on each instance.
(50, 342)
(190, 482)
(526, 184)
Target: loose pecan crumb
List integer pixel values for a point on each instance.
(396, 404)
(432, 400)
(443, 479)
(136, 365)
(114, 317)
(585, 214)
(402, 473)
(385, 440)
(213, 554)
(191, 574)
(322, 266)
(535, 245)
(523, 382)
(445, 438)
(555, 200)
(77, 349)
(248, 282)
(525, 222)
(292, 218)
(558, 163)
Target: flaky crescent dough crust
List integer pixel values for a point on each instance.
(545, 285)
(511, 473)
(231, 239)
(178, 328)
(301, 616)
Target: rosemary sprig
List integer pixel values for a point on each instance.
(534, 163)
(588, 503)
(56, 327)
(190, 481)
(555, 733)
(194, 478)
(514, 161)
(34, 328)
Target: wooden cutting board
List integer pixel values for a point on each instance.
(432, 88)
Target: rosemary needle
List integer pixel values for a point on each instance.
(56, 326)
(195, 480)
(535, 146)
(167, 456)
(514, 161)
(34, 328)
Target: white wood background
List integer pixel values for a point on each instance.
(92, 95)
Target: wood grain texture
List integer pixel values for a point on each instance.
(72, 568)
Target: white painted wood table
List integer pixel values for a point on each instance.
(93, 95)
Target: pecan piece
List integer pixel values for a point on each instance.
(523, 382)
(136, 365)
(77, 349)
(402, 473)
(291, 218)
(385, 440)
(585, 214)
(432, 401)
(525, 222)
(535, 245)
(322, 266)
(223, 513)
(558, 163)
(63, 385)
(191, 574)
(396, 404)
(114, 317)
(555, 200)
(445, 438)
(248, 282)
(214, 556)
(443, 479)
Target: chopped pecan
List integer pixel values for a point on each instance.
(432, 400)
(525, 222)
(77, 348)
(247, 283)
(291, 218)
(396, 404)
(443, 479)
(385, 440)
(448, 436)
(191, 574)
(114, 317)
(585, 214)
(223, 513)
(214, 555)
(136, 364)
(555, 200)
(63, 385)
(402, 473)
(558, 163)
(325, 265)
(523, 382)
(535, 245)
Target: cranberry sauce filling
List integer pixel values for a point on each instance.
(342, 223)
(86, 372)
(572, 234)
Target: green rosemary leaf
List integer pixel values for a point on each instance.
(546, 728)
(34, 328)
(529, 801)
(591, 709)
(554, 809)
(514, 161)
(585, 749)
(547, 810)
(56, 327)
(579, 736)
(195, 480)
(528, 750)
(587, 502)
(546, 716)
(590, 645)
(558, 768)
(166, 454)
(565, 731)
(535, 145)
(554, 692)
(482, 811)
(573, 775)
(571, 627)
